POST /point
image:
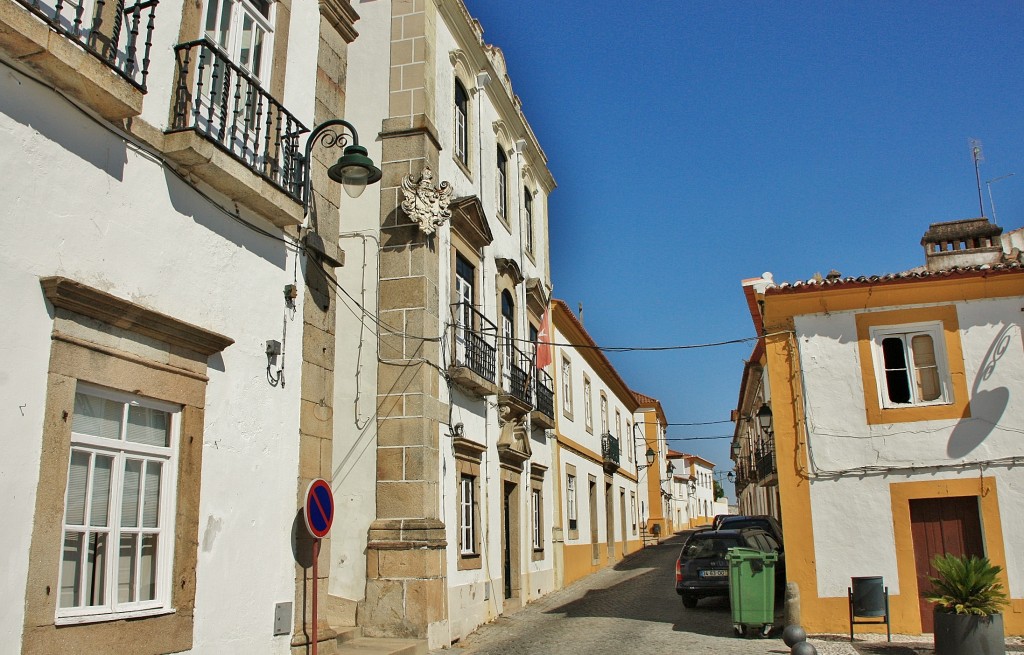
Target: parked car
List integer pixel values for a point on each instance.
(769, 524)
(717, 521)
(702, 570)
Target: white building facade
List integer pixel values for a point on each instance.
(154, 249)
(898, 442)
(459, 516)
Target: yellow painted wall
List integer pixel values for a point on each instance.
(579, 563)
(832, 614)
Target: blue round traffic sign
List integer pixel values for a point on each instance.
(319, 508)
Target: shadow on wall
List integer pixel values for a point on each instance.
(986, 405)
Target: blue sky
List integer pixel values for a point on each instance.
(696, 144)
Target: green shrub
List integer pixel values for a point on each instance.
(966, 585)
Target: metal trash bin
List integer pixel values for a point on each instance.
(752, 589)
(869, 597)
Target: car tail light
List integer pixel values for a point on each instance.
(679, 571)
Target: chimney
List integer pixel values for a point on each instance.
(967, 242)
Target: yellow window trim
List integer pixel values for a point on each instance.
(946, 314)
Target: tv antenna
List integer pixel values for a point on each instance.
(992, 203)
(977, 156)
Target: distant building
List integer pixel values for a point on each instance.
(595, 455)
(655, 495)
(894, 404)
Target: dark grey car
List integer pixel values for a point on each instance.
(702, 570)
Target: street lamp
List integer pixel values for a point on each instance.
(764, 417)
(649, 455)
(354, 170)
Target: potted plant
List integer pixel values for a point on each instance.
(968, 598)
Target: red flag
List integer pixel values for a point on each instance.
(543, 341)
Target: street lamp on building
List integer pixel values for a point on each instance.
(353, 170)
(649, 455)
(764, 418)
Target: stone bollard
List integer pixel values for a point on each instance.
(792, 607)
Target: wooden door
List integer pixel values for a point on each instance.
(940, 526)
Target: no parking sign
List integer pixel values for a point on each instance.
(319, 509)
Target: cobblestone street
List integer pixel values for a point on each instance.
(632, 607)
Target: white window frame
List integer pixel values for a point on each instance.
(538, 535)
(632, 507)
(122, 450)
(501, 173)
(588, 404)
(604, 413)
(467, 515)
(566, 386)
(570, 500)
(239, 11)
(906, 332)
(461, 123)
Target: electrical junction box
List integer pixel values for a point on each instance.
(282, 619)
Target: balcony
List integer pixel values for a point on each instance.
(97, 53)
(474, 351)
(543, 415)
(765, 466)
(230, 132)
(516, 381)
(610, 452)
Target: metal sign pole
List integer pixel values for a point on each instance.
(316, 596)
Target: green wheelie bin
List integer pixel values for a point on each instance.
(752, 590)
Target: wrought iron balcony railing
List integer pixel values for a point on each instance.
(764, 463)
(610, 450)
(515, 372)
(544, 394)
(107, 30)
(475, 341)
(226, 105)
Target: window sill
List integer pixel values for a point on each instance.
(470, 561)
(463, 167)
(65, 65)
(112, 616)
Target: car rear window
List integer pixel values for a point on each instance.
(743, 523)
(709, 546)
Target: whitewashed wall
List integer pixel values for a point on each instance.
(79, 203)
(852, 515)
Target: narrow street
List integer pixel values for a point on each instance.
(631, 607)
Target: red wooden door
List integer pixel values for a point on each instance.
(940, 526)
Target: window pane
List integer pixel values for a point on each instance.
(126, 569)
(148, 426)
(95, 570)
(246, 46)
(78, 478)
(147, 568)
(151, 501)
(926, 369)
(97, 417)
(100, 491)
(70, 568)
(896, 380)
(130, 494)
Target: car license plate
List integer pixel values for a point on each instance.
(714, 573)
